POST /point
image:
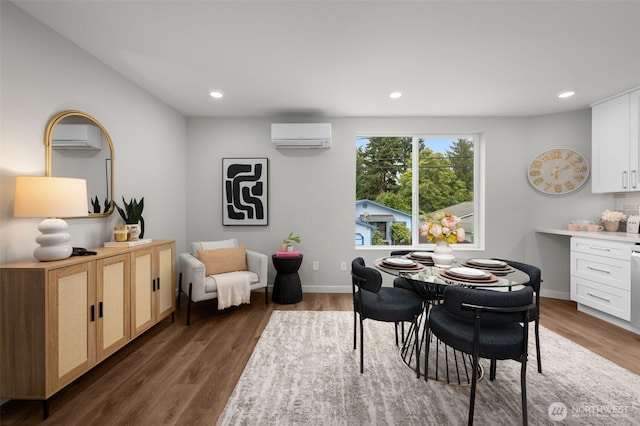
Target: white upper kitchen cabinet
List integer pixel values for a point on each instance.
(615, 146)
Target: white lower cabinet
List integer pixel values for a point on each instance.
(601, 275)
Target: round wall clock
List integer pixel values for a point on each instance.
(558, 171)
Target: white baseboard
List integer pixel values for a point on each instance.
(555, 294)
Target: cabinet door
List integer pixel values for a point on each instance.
(112, 295)
(165, 281)
(71, 313)
(634, 117)
(141, 291)
(610, 146)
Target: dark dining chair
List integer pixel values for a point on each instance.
(485, 324)
(430, 293)
(388, 304)
(535, 281)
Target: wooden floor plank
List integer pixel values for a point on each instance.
(179, 375)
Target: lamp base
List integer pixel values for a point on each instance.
(53, 240)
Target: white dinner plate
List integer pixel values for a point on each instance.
(421, 255)
(487, 262)
(468, 272)
(398, 261)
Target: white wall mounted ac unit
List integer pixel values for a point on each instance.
(301, 135)
(76, 136)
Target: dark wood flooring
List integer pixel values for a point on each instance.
(179, 375)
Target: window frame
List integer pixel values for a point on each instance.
(478, 189)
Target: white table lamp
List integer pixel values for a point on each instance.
(51, 197)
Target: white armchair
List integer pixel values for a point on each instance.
(194, 282)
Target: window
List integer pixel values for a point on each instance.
(402, 179)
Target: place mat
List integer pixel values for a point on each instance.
(463, 272)
(490, 279)
(425, 260)
(502, 270)
(414, 267)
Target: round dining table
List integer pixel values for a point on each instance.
(446, 365)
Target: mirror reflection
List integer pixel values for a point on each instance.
(78, 146)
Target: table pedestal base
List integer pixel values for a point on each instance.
(446, 365)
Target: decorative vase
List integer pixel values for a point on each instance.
(134, 232)
(611, 226)
(443, 254)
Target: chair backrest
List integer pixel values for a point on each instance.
(365, 278)
(455, 296)
(211, 245)
(535, 275)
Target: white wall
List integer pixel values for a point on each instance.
(43, 74)
(175, 163)
(312, 192)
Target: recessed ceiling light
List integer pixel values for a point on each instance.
(216, 94)
(567, 94)
(395, 94)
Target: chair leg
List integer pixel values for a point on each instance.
(396, 327)
(427, 339)
(474, 380)
(492, 370)
(523, 385)
(361, 347)
(415, 327)
(355, 329)
(538, 346)
(189, 304)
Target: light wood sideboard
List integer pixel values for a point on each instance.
(59, 319)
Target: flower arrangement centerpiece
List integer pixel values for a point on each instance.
(611, 219)
(443, 229)
(443, 226)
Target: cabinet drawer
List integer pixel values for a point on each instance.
(611, 272)
(612, 249)
(611, 300)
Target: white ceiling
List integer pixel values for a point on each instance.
(342, 58)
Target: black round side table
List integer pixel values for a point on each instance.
(287, 288)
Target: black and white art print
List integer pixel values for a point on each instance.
(244, 191)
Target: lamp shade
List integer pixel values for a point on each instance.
(47, 196)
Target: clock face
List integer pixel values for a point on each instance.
(558, 171)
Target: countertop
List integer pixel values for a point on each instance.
(601, 235)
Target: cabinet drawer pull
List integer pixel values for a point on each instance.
(624, 180)
(606, 299)
(100, 310)
(154, 284)
(158, 284)
(598, 270)
(599, 248)
(93, 313)
(634, 178)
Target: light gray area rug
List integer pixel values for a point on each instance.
(304, 371)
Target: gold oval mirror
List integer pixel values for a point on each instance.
(78, 146)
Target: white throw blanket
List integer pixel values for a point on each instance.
(233, 289)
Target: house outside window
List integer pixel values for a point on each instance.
(402, 179)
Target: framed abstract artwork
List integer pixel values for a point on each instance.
(244, 191)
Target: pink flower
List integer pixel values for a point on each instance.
(435, 230)
(450, 221)
(460, 235)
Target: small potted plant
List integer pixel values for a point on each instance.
(132, 215)
(286, 243)
(611, 220)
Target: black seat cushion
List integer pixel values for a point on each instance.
(389, 304)
(497, 341)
